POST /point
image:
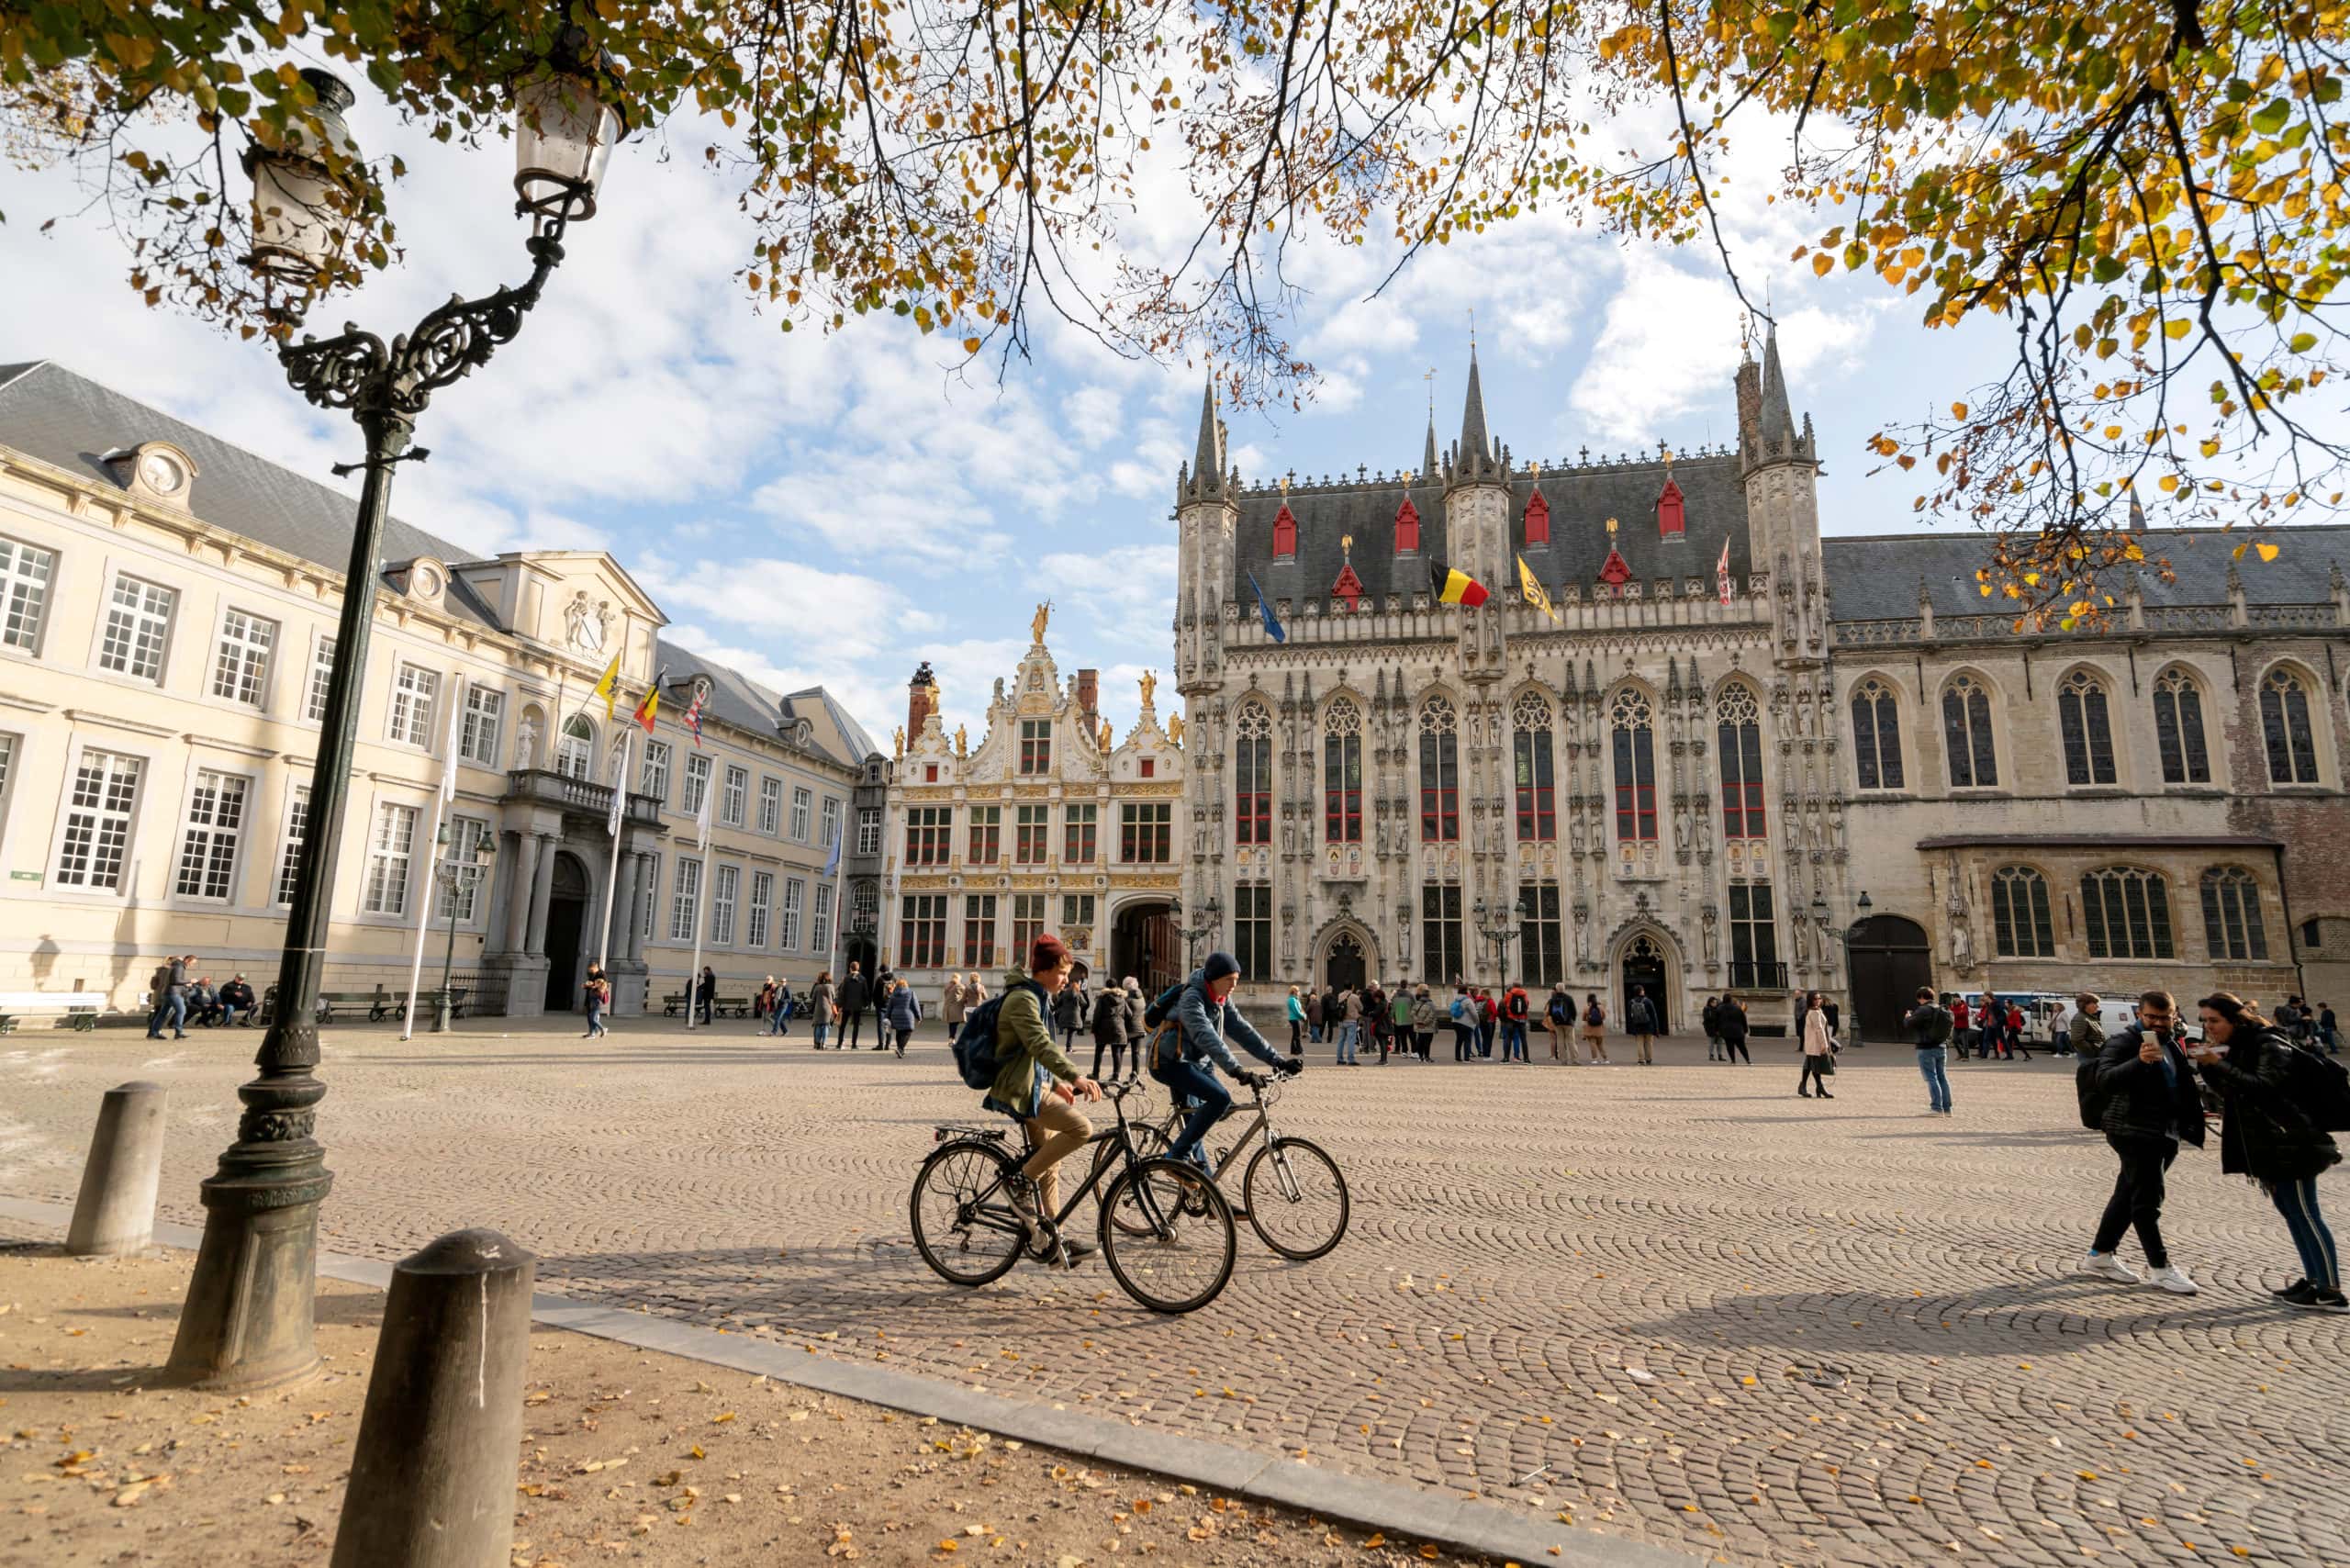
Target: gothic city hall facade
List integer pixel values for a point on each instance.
(1828, 766)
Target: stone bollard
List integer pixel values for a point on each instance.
(115, 1213)
(432, 1474)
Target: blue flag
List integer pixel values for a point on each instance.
(1272, 626)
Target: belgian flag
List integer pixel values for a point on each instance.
(1455, 586)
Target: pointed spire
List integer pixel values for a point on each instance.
(1208, 460)
(1777, 418)
(1429, 463)
(1475, 445)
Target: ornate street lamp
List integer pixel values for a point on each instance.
(246, 1323)
(1501, 930)
(1211, 921)
(453, 872)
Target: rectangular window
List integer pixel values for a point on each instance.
(868, 831)
(929, 830)
(1079, 827)
(289, 858)
(736, 797)
(986, 845)
(388, 858)
(1146, 833)
(1538, 797)
(1753, 937)
(979, 930)
(1252, 930)
(98, 815)
(795, 896)
(1439, 787)
(723, 886)
(771, 806)
(1541, 951)
(1635, 784)
(215, 822)
(1077, 922)
(922, 932)
(1741, 765)
(828, 823)
(1027, 924)
(802, 802)
(1342, 789)
(697, 785)
(1440, 948)
(314, 706)
(460, 901)
(414, 689)
(138, 625)
(1036, 746)
(8, 744)
(761, 907)
(1252, 780)
(240, 667)
(485, 716)
(25, 571)
(1032, 831)
(685, 902)
(820, 935)
(652, 778)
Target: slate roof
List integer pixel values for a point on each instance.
(1876, 578)
(68, 422)
(1582, 497)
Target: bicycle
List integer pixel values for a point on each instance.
(1165, 1226)
(1289, 1190)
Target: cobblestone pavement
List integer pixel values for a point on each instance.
(1677, 1302)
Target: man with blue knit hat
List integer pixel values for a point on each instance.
(1194, 1032)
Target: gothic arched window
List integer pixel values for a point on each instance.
(2126, 914)
(1537, 813)
(2178, 730)
(576, 752)
(2285, 726)
(1966, 733)
(1633, 726)
(1739, 733)
(1342, 773)
(1252, 776)
(2020, 925)
(1876, 735)
(2231, 926)
(2082, 720)
(1439, 772)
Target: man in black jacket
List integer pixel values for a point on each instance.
(1930, 1031)
(2152, 1104)
(854, 993)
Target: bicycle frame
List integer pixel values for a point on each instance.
(1122, 1134)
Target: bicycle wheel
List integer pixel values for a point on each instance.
(1296, 1198)
(1150, 1144)
(965, 1241)
(1183, 1257)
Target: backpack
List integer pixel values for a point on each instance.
(1561, 1010)
(2320, 1088)
(2087, 1093)
(1595, 1016)
(1937, 1029)
(975, 1052)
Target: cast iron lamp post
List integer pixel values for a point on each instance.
(1211, 924)
(1501, 930)
(247, 1322)
(453, 872)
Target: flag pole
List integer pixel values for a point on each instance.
(693, 970)
(612, 873)
(440, 815)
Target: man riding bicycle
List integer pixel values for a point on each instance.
(1038, 1085)
(1191, 1035)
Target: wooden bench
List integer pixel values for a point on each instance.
(720, 1006)
(80, 1008)
(427, 1003)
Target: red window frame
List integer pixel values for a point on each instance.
(1538, 799)
(1342, 789)
(1742, 754)
(1439, 787)
(1635, 786)
(1252, 799)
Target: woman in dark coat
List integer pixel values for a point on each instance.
(2265, 1133)
(1730, 1019)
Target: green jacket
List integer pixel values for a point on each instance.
(1026, 1051)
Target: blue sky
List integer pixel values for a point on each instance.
(839, 508)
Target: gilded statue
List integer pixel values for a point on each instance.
(1037, 626)
(1149, 686)
(898, 736)
(1175, 728)
(962, 742)
(1109, 737)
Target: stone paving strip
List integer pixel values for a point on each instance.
(1677, 1303)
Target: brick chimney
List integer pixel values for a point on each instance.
(922, 699)
(1089, 699)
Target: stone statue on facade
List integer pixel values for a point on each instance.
(1712, 936)
(526, 743)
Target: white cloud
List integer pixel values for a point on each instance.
(1132, 578)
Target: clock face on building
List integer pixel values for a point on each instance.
(161, 474)
(428, 583)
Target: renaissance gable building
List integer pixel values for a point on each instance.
(1824, 767)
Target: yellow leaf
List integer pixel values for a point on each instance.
(1958, 410)
(1822, 264)
(2267, 551)
(2177, 327)
(970, 345)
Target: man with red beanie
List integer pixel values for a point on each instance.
(1035, 1081)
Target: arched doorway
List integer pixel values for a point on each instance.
(1890, 959)
(567, 920)
(1144, 943)
(1344, 966)
(1644, 966)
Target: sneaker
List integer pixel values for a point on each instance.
(2110, 1267)
(1022, 1193)
(2325, 1301)
(2298, 1292)
(2174, 1278)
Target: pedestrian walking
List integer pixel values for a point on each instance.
(1819, 1049)
(854, 991)
(904, 1013)
(1559, 1020)
(1961, 1026)
(1294, 1011)
(1349, 1027)
(1136, 1030)
(1110, 1031)
(2326, 1030)
(598, 993)
(705, 992)
(1464, 1016)
(953, 1002)
(1489, 1015)
(1375, 1020)
(1425, 1017)
(2142, 1095)
(1314, 1017)
(820, 1008)
(2019, 1043)
(1516, 1011)
(1399, 1019)
(1835, 1020)
(1929, 1026)
(1711, 1019)
(2084, 1035)
(1071, 1009)
(2269, 1084)
(1730, 1018)
(1594, 1030)
(1639, 1019)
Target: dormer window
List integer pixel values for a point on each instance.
(1284, 535)
(155, 471)
(1407, 528)
(1669, 520)
(1538, 520)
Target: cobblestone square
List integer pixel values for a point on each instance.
(1675, 1302)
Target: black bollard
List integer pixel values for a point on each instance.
(432, 1476)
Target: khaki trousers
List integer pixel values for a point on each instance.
(1055, 1133)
